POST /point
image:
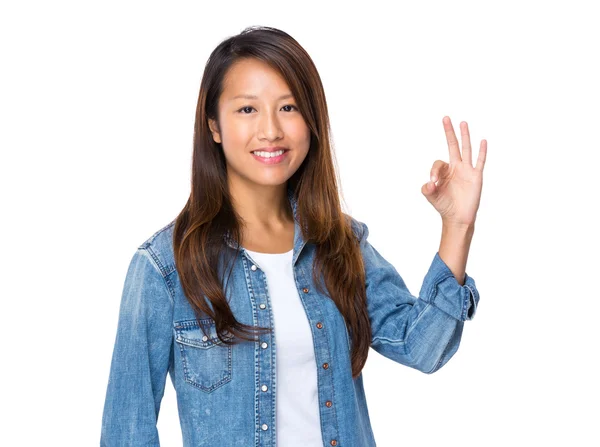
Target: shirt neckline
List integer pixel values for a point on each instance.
(260, 253)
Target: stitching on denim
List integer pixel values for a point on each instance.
(325, 329)
(194, 322)
(473, 301)
(149, 241)
(466, 297)
(195, 384)
(257, 368)
(246, 258)
(273, 344)
(185, 361)
(388, 340)
(158, 266)
(182, 325)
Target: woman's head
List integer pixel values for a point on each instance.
(288, 110)
(256, 110)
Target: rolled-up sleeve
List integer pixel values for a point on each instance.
(141, 357)
(441, 289)
(421, 332)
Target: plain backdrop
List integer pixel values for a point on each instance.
(97, 103)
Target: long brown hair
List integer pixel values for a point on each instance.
(200, 253)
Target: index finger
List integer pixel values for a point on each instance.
(453, 147)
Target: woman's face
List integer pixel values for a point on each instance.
(268, 119)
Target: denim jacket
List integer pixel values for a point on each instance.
(226, 394)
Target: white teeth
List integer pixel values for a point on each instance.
(268, 154)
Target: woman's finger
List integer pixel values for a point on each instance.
(437, 170)
(452, 141)
(465, 140)
(482, 155)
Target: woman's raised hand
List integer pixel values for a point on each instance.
(455, 188)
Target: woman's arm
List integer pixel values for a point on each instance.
(454, 248)
(454, 190)
(422, 333)
(141, 357)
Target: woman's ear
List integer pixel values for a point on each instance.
(214, 128)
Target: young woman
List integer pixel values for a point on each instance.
(262, 298)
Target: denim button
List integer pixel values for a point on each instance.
(253, 267)
(204, 338)
(264, 345)
(264, 426)
(264, 388)
(262, 306)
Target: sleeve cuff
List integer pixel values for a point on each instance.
(441, 289)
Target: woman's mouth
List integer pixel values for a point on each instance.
(270, 158)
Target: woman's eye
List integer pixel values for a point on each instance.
(243, 109)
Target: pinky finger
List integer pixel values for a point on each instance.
(482, 154)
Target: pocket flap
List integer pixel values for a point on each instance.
(188, 332)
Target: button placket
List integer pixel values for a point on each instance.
(328, 403)
(261, 305)
(263, 345)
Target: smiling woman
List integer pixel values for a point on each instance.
(262, 298)
(255, 111)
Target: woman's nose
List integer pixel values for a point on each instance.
(269, 126)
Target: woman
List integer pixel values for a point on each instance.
(262, 298)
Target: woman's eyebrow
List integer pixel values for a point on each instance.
(289, 95)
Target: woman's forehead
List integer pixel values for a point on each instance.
(251, 79)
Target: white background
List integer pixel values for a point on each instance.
(96, 120)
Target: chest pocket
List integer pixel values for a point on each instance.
(206, 360)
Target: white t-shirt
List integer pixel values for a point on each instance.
(297, 408)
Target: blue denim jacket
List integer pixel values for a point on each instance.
(226, 394)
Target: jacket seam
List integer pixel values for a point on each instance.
(471, 305)
(158, 267)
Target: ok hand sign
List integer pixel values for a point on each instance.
(455, 187)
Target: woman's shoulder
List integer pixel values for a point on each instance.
(160, 246)
(359, 228)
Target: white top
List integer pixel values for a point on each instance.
(298, 422)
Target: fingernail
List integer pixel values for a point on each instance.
(433, 178)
